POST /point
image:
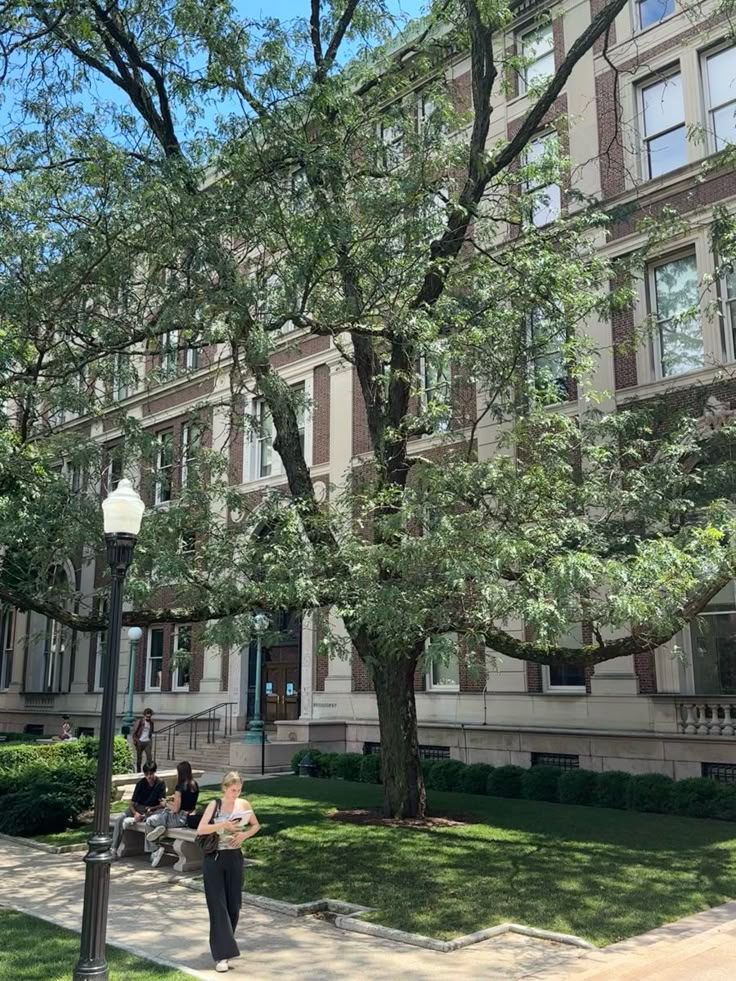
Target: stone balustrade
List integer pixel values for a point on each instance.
(707, 716)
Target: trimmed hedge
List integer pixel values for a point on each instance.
(652, 792)
(17, 757)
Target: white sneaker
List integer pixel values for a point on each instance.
(156, 833)
(120, 851)
(156, 859)
(128, 823)
(222, 967)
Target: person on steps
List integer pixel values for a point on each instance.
(143, 737)
(233, 820)
(174, 815)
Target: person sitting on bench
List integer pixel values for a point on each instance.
(148, 797)
(175, 814)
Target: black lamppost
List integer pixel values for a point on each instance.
(123, 510)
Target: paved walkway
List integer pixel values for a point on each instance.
(173, 926)
(150, 913)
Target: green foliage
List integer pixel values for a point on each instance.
(46, 799)
(446, 775)
(696, 797)
(612, 789)
(474, 778)
(328, 764)
(15, 757)
(297, 758)
(724, 806)
(577, 787)
(370, 768)
(540, 783)
(346, 766)
(505, 781)
(651, 792)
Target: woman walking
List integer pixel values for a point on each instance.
(233, 820)
(174, 815)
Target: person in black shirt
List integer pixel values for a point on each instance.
(176, 814)
(148, 798)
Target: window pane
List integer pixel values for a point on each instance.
(724, 126)
(662, 105)
(667, 152)
(676, 287)
(681, 339)
(156, 659)
(543, 68)
(653, 11)
(446, 675)
(722, 77)
(567, 676)
(714, 654)
(537, 43)
(547, 206)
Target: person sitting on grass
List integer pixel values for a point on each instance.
(148, 797)
(174, 815)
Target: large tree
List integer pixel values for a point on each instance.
(177, 167)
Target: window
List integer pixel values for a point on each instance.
(545, 204)
(720, 89)
(663, 121)
(100, 648)
(729, 300)
(262, 461)
(76, 480)
(164, 466)
(425, 752)
(546, 355)
(443, 672)
(182, 658)
(264, 440)
(154, 667)
(113, 469)
(191, 357)
(434, 388)
(673, 290)
(392, 138)
(190, 443)
(7, 635)
(537, 49)
(722, 772)
(53, 655)
(120, 388)
(568, 677)
(564, 761)
(188, 543)
(169, 354)
(651, 12)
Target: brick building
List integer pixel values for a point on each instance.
(630, 103)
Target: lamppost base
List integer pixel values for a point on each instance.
(255, 735)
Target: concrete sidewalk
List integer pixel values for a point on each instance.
(149, 913)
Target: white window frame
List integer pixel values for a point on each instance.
(169, 369)
(251, 461)
(149, 658)
(192, 358)
(392, 140)
(655, 344)
(175, 674)
(521, 45)
(108, 474)
(533, 365)
(646, 138)
(531, 187)
(705, 81)
(7, 644)
(120, 389)
(638, 29)
(191, 436)
(424, 363)
(451, 686)
(160, 466)
(567, 640)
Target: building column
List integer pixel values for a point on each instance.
(339, 678)
(307, 667)
(212, 672)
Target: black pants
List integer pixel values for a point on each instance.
(223, 889)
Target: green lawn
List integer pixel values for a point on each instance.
(602, 874)
(32, 950)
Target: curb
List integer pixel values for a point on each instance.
(41, 846)
(135, 951)
(347, 918)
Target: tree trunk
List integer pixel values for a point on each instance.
(403, 785)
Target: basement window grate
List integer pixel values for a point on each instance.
(722, 772)
(564, 761)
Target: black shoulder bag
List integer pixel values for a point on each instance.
(208, 843)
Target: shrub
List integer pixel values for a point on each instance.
(446, 775)
(650, 792)
(122, 754)
(370, 768)
(540, 783)
(17, 757)
(577, 787)
(427, 768)
(46, 799)
(723, 807)
(327, 763)
(695, 797)
(474, 778)
(505, 781)
(612, 789)
(347, 766)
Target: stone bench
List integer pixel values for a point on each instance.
(123, 784)
(188, 854)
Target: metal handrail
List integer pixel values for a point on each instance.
(212, 719)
